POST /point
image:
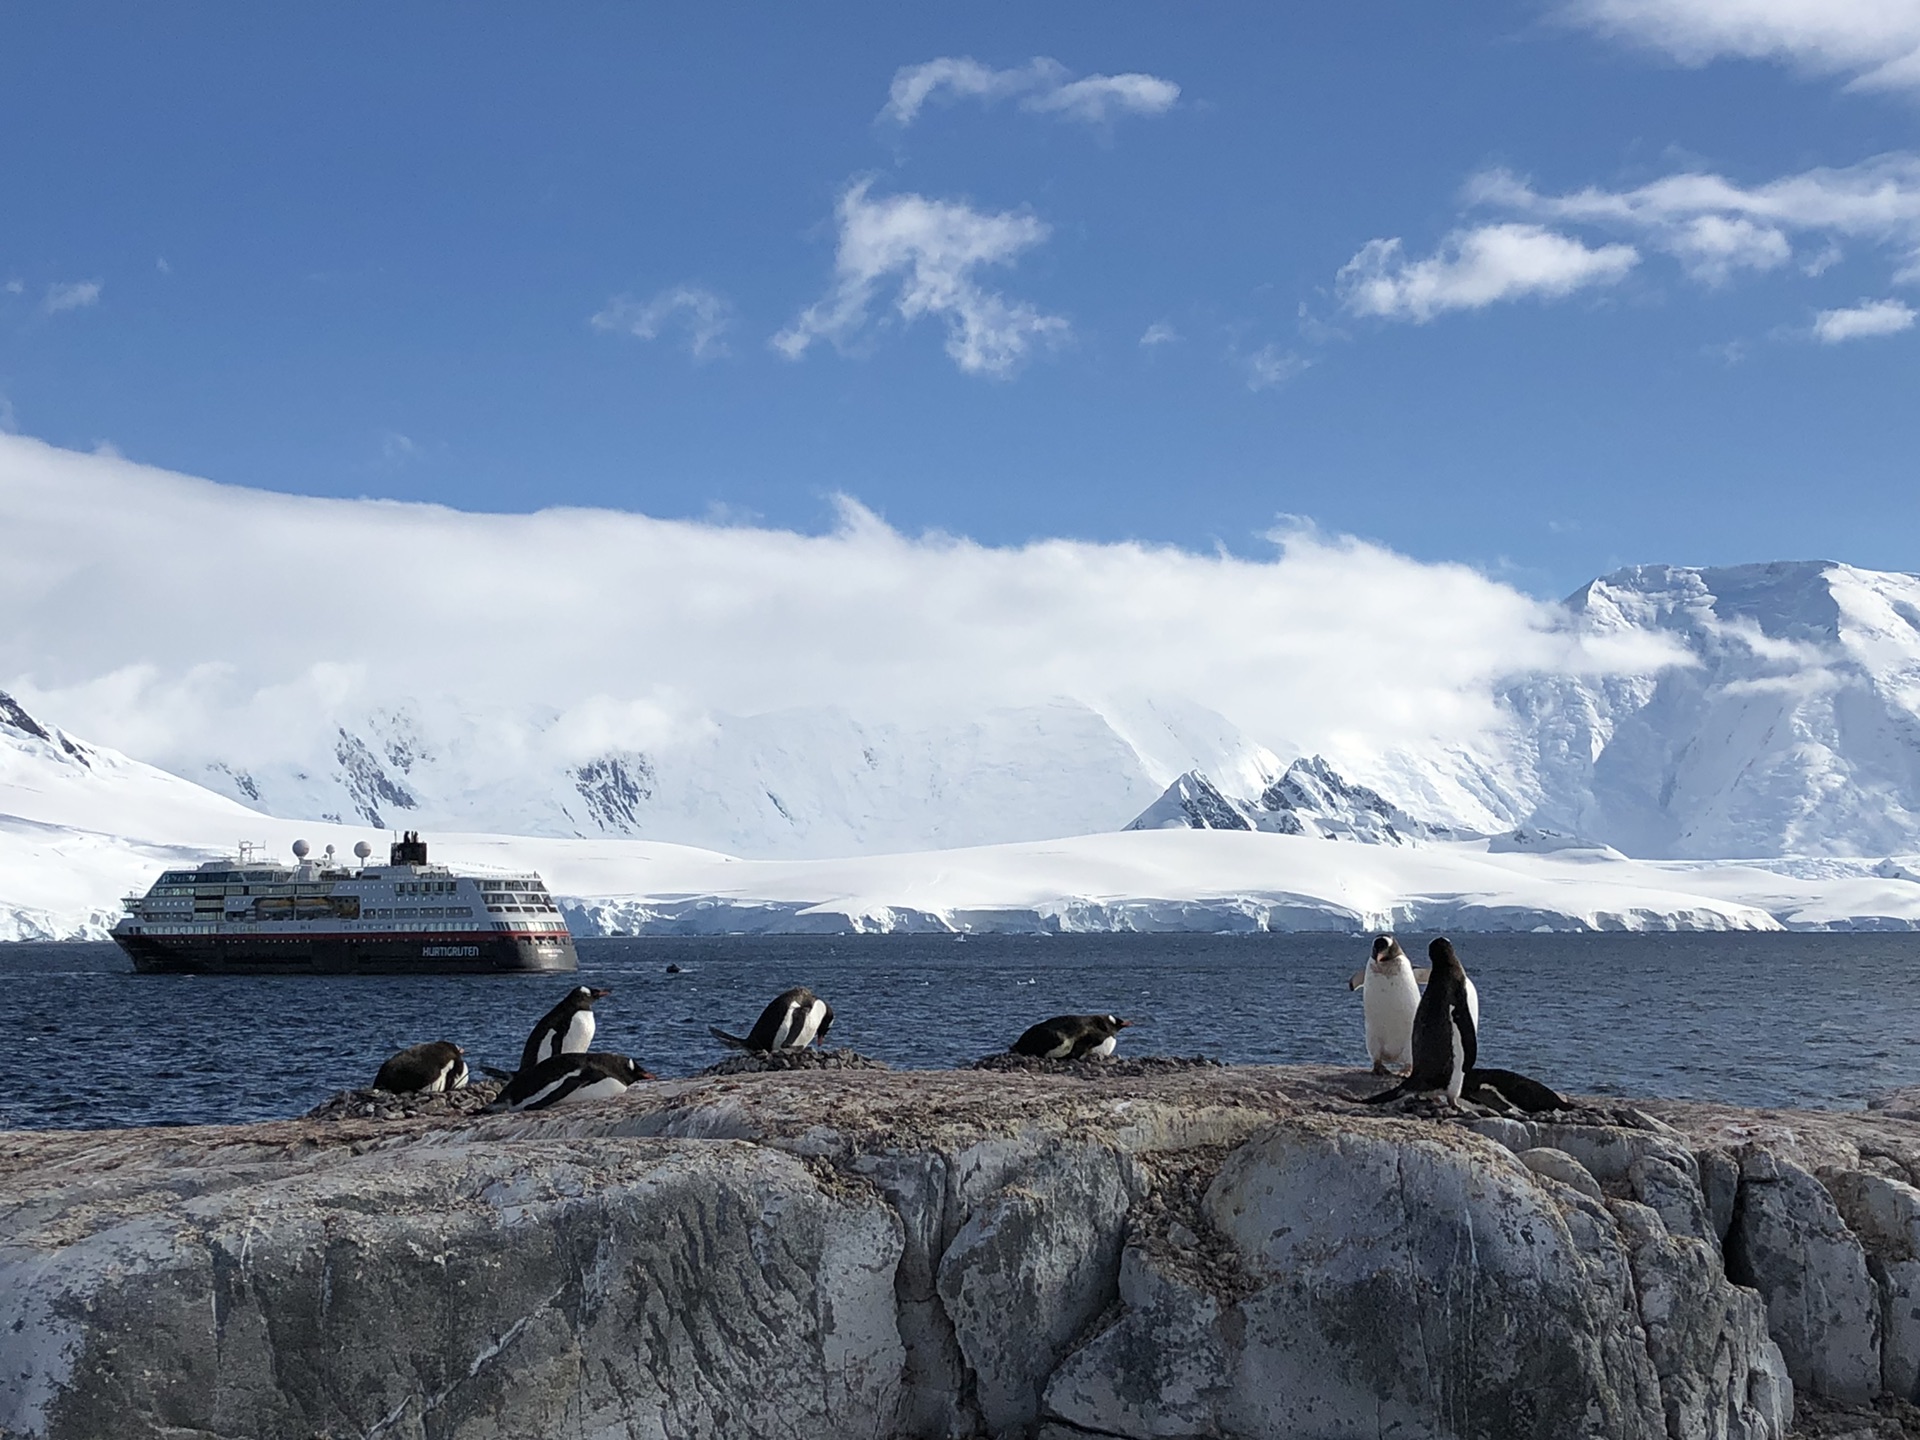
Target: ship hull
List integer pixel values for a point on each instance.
(457, 953)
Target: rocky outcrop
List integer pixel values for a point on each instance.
(1175, 1251)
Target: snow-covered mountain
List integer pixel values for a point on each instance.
(793, 783)
(1790, 726)
(1310, 798)
(81, 825)
(1794, 730)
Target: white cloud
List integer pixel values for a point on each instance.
(1042, 86)
(9, 422)
(1158, 333)
(14, 287)
(704, 316)
(929, 250)
(1868, 318)
(643, 628)
(397, 448)
(1875, 42)
(160, 264)
(1476, 268)
(1716, 225)
(1270, 367)
(75, 296)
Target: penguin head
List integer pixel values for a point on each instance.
(584, 995)
(630, 1071)
(1440, 952)
(1383, 947)
(1113, 1024)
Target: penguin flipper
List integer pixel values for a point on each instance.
(495, 1072)
(1357, 979)
(725, 1039)
(1423, 974)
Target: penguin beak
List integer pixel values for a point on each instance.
(599, 994)
(1126, 1024)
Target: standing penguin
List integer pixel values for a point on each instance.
(569, 1077)
(1389, 995)
(1444, 1043)
(567, 1029)
(1070, 1037)
(436, 1065)
(794, 1020)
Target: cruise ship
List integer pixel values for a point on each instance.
(247, 916)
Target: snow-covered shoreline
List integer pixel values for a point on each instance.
(58, 882)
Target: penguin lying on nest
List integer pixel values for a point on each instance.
(1070, 1037)
(567, 1078)
(436, 1065)
(1446, 1045)
(792, 1021)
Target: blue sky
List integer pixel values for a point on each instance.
(1651, 298)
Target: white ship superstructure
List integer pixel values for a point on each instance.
(249, 914)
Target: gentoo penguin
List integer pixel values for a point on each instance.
(436, 1065)
(793, 1021)
(569, 1077)
(1444, 1045)
(1070, 1037)
(567, 1029)
(1389, 994)
(1421, 974)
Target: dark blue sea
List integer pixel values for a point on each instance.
(1768, 1019)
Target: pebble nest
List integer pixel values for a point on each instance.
(1093, 1068)
(748, 1063)
(390, 1105)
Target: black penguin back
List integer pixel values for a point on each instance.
(419, 1066)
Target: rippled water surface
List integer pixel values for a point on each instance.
(1767, 1019)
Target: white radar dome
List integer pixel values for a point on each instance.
(363, 850)
(300, 849)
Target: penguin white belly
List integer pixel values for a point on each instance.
(579, 1037)
(1105, 1047)
(1473, 1006)
(439, 1082)
(544, 1095)
(1390, 999)
(809, 1027)
(599, 1090)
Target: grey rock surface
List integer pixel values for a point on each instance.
(1788, 1242)
(1885, 1214)
(1174, 1251)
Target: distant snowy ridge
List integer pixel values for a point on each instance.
(1310, 798)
